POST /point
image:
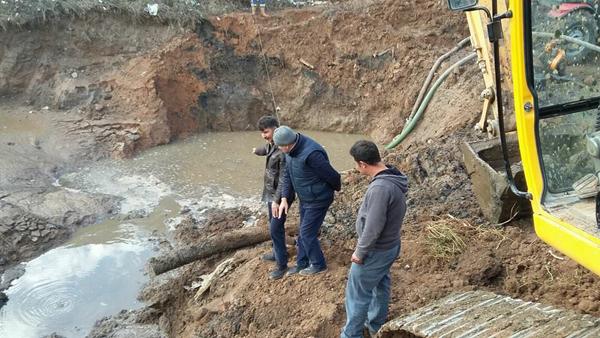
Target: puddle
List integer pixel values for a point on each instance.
(19, 126)
(96, 274)
(101, 269)
(67, 289)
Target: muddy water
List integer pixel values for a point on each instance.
(225, 160)
(16, 121)
(101, 269)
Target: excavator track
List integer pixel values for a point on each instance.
(485, 314)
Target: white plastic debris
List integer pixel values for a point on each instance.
(152, 9)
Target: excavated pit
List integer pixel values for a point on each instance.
(110, 88)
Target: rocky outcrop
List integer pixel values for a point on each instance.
(31, 221)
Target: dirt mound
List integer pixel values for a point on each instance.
(244, 303)
(365, 57)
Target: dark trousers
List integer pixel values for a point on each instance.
(277, 230)
(309, 248)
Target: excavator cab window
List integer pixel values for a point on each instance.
(563, 68)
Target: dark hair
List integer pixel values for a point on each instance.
(267, 121)
(365, 151)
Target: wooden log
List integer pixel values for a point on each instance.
(229, 241)
(306, 64)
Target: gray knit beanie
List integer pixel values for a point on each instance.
(284, 136)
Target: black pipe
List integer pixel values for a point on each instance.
(509, 175)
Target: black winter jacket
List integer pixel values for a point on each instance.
(274, 169)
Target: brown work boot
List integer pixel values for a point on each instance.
(263, 12)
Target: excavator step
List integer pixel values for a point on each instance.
(485, 314)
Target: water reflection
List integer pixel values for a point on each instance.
(67, 289)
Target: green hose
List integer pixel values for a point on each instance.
(410, 124)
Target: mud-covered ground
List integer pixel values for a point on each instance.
(107, 88)
(446, 247)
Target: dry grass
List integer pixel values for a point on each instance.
(17, 13)
(442, 240)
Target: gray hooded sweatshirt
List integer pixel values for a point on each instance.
(382, 212)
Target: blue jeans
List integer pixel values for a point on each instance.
(257, 2)
(309, 248)
(368, 293)
(277, 230)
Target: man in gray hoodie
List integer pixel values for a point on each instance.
(378, 226)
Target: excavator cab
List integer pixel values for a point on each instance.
(556, 103)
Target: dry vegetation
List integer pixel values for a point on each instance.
(445, 237)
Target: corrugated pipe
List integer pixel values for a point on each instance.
(411, 122)
(434, 69)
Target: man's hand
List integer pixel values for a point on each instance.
(356, 260)
(254, 150)
(275, 209)
(283, 208)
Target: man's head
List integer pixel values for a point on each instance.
(366, 155)
(285, 138)
(267, 125)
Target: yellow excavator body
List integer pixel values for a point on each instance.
(561, 218)
(555, 103)
(580, 245)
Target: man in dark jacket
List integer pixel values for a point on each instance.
(378, 226)
(274, 169)
(309, 175)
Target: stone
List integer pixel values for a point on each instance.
(16, 240)
(3, 299)
(585, 305)
(590, 80)
(35, 233)
(3, 229)
(133, 137)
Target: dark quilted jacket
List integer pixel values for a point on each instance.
(274, 168)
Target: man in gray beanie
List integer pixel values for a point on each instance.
(284, 135)
(309, 175)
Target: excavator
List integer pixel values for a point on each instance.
(553, 101)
